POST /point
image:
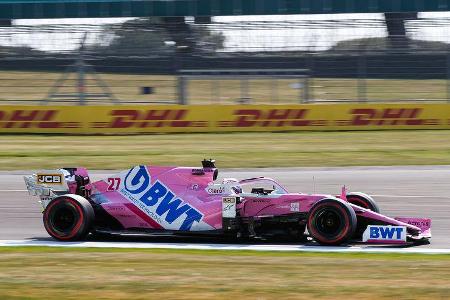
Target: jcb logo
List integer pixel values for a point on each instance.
(229, 200)
(49, 178)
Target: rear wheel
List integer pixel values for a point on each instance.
(68, 218)
(331, 222)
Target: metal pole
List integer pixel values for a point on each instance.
(182, 90)
(211, 86)
(362, 88)
(244, 89)
(51, 94)
(107, 91)
(216, 89)
(310, 81)
(305, 89)
(80, 86)
(448, 77)
(81, 72)
(274, 90)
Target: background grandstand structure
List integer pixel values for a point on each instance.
(348, 58)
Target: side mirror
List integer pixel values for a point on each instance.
(208, 163)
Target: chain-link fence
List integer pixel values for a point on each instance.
(360, 58)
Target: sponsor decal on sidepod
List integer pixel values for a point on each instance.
(385, 234)
(159, 202)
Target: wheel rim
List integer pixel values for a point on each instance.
(329, 222)
(63, 219)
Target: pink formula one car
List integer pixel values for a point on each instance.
(188, 201)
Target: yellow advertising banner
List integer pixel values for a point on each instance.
(123, 119)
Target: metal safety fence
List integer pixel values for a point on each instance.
(342, 58)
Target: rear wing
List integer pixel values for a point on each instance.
(47, 184)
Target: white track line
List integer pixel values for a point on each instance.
(278, 248)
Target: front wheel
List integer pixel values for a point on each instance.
(68, 218)
(364, 201)
(331, 222)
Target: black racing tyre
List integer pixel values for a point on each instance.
(68, 217)
(363, 200)
(331, 221)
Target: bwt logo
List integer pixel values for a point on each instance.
(385, 233)
(160, 200)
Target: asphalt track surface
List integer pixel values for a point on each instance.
(413, 191)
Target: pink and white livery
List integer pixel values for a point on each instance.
(189, 201)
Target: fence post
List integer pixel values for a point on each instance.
(448, 77)
(305, 89)
(182, 97)
(310, 67)
(81, 89)
(274, 90)
(244, 89)
(362, 74)
(215, 90)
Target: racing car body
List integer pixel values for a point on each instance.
(184, 200)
